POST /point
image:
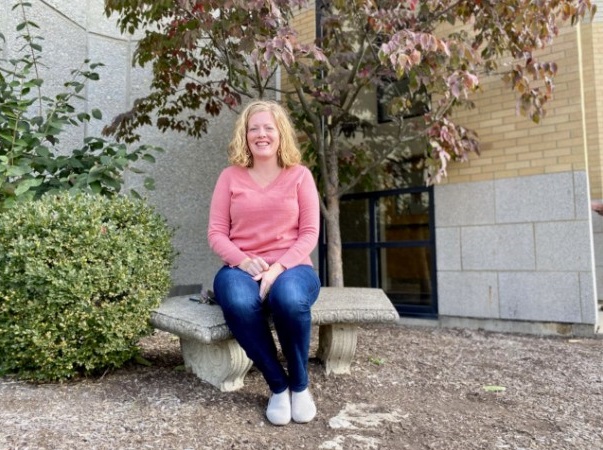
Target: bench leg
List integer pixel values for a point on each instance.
(336, 346)
(223, 364)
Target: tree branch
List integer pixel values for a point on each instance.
(380, 158)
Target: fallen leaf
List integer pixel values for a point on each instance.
(494, 388)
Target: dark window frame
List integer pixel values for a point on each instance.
(374, 245)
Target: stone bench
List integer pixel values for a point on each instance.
(210, 351)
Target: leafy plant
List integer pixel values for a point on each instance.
(33, 160)
(79, 276)
(377, 361)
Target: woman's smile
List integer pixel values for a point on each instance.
(262, 135)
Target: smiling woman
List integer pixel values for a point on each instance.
(263, 223)
(263, 142)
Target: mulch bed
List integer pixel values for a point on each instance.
(410, 388)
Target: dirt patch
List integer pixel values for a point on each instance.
(410, 388)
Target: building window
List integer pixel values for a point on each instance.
(389, 242)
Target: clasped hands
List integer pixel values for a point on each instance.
(263, 272)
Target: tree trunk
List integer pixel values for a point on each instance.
(334, 256)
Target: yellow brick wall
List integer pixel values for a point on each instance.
(305, 24)
(512, 145)
(594, 111)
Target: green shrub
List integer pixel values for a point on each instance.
(79, 275)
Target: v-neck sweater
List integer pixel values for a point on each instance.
(278, 222)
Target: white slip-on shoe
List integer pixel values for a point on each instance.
(279, 408)
(303, 408)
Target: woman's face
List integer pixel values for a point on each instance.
(263, 138)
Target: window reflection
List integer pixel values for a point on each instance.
(388, 243)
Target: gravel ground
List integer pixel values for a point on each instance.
(410, 388)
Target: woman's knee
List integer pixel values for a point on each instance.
(286, 298)
(235, 291)
(296, 286)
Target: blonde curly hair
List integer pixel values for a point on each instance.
(288, 152)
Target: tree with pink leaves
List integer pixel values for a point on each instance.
(208, 55)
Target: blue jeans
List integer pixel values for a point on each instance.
(289, 301)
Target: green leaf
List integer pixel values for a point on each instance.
(97, 114)
(149, 183)
(18, 171)
(26, 185)
(42, 151)
(106, 161)
(94, 176)
(6, 136)
(491, 388)
(111, 183)
(96, 187)
(94, 143)
(148, 157)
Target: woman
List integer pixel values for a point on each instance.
(263, 224)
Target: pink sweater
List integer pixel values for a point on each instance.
(278, 222)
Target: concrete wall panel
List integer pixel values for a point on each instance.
(537, 247)
(535, 199)
(563, 246)
(540, 296)
(110, 92)
(448, 244)
(465, 204)
(498, 247)
(469, 294)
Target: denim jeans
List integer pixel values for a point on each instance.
(288, 303)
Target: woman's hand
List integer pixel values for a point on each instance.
(268, 277)
(261, 271)
(254, 266)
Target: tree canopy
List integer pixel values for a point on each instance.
(208, 55)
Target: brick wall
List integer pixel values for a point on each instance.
(513, 146)
(594, 113)
(305, 24)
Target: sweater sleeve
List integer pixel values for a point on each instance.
(218, 231)
(309, 222)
